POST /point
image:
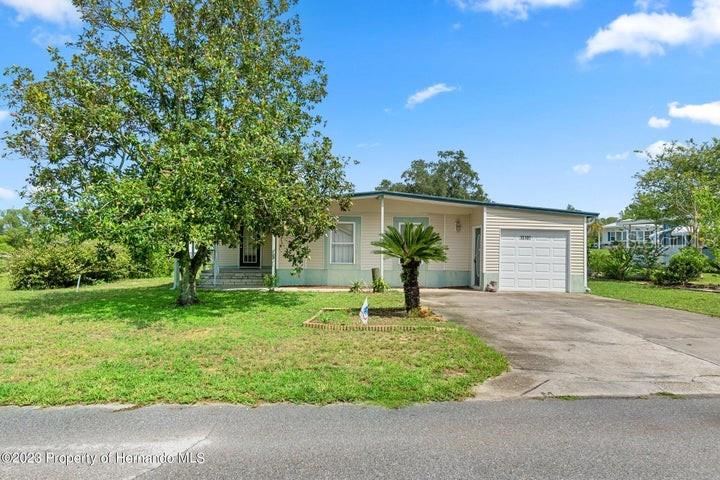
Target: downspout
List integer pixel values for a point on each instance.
(585, 252)
(382, 229)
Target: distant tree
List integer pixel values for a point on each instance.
(668, 189)
(17, 225)
(451, 175)
(571, 208)
(175, 122)
(709, 219)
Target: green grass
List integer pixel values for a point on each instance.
(707, 303)
(708, 279)
(127, 342)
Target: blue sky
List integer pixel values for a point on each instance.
(548, 98)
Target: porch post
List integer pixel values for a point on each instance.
(382, 229)
(216, 267)
(273, 243)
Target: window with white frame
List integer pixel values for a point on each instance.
(610, 237)
(401, 225)
(342, 243)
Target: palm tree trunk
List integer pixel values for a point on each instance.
(411, 286)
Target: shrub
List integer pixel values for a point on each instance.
(379, 285)
(148, 262)
(686, 265)
(597, 262)
(271, 282)
(647, 259)
(58, 264)
(619, 262)
(357, 286)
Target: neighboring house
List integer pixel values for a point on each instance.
(519, 248)
(646, 232)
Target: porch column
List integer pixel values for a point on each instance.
(216, 267)
(382, 229)
(273, 243)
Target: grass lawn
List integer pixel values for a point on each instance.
(707, 303)
(708, 279)
(127, 342)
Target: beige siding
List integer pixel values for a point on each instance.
(266, 252)
(441, 217)
(227, 256)
(317, 254)
(505, 218)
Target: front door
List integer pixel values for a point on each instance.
(249, 249)
(478, 256)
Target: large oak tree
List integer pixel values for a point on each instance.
(174, 122)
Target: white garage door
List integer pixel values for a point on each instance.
(533, 261)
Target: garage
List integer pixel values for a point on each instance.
(533, 261)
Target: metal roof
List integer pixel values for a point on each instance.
(431, 198)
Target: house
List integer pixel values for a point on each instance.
(628, 232)
(519, 248)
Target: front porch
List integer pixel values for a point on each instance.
(242, 265)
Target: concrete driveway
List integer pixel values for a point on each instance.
(583, 345)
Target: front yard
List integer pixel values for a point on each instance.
(128, 343)
(707, 303)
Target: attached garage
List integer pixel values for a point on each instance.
(533, 261)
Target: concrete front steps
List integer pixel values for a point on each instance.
(229, 279)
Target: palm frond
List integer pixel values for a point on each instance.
(415, 243)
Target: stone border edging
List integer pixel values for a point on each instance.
(312, 323)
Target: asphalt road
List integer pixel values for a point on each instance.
(658, 438)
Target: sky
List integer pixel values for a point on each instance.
(550, 99)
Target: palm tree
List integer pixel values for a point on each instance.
(413, 245)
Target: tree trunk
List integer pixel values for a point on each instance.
(189, 268)
(411, 286)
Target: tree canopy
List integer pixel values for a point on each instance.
(668, 189)
(174, 122)
(451, 175)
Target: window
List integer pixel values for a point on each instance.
(401, 225)
(611, 237)
(342, 243)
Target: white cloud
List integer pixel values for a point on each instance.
(646, 5)
(44, 39)
(656, 122)
(646, 34)
(655, 149)
(704, 113)
(4, 115)
(456, 26)
(615, 157)
(427, 93)
(7, 194)
(56, 11)
(582, 169)
(518, 9)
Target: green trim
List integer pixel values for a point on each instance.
(345, 278)
(431, 198)
(358, 251)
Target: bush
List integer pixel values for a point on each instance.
(619, 262)
(271, 282)
(379, 285)
(647, 260)
(357, 286)
(58, 264)
(686, 265)
(148, 262)
(597, 262)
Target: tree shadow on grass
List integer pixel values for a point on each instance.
(143, 306)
